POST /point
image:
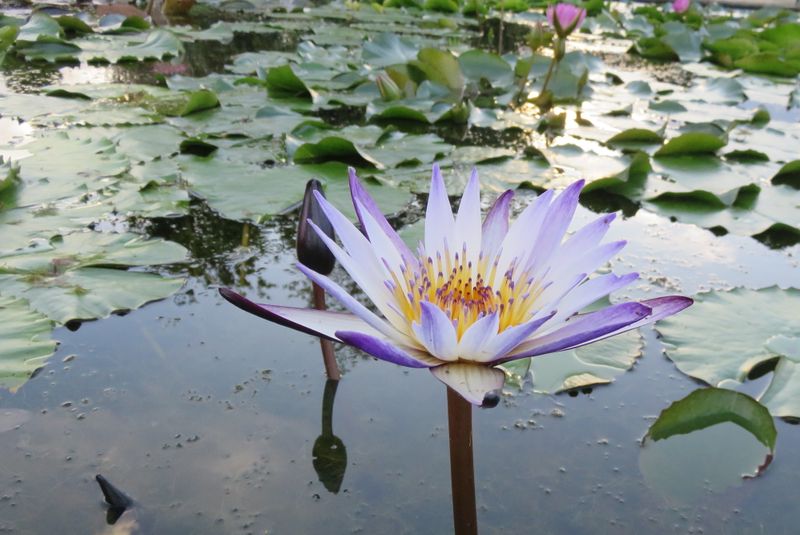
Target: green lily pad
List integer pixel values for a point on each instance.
(282, 82)
(25, 342)
(711, 406)
(789, 174)
(388, 49)
(88, 293)
(710, 441)
(726, 336)
(641, 136)
(477, 65)
(691, 143)
(599, 363)
(334, 148)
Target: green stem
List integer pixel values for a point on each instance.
(548, 75)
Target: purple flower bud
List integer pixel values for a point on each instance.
(565, 18)
(311, 250)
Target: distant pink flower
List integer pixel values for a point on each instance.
(565, 18)
(166, 68)
(681, 6)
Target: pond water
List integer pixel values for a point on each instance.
(208, 418)
(212, 420)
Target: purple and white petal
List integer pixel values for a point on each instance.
(585, 263)
(380, 348)
(510, 338)
(478, 335)
(523, 232)
(589, 292)
(471, 381)
(323, 323)
(558, 218)
(368, 277)
(495, 226)
(435, 331)
(367, 204)
(468, 219)
(582, 330)
(439, 222)
(584, 239)
(351, 304)
(661, 307)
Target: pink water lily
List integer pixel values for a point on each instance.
(565, 18)
(477, 293)
(681, 6)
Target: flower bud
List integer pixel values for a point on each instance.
(389, 90)
(538, 37)
(680, 6)
(311, 250)
(565, 18)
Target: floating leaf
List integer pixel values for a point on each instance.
(585, 366)
(25, 342)
(334, 148)
(282, 82)
(641, 136)
(388, 49)
(691, 143)
(711, 406)
(789, 174)
(726, 336)
(479, 65)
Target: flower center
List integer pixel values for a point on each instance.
(465, 290)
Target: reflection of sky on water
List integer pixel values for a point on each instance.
(207, 417)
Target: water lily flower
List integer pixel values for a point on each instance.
(681, 6)
(565, 18)
(476, 294)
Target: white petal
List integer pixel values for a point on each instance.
(495, 226)
(365, 277)
(589, 292)
(471, 381)
(557, 221)
(523, 232)
(468, 220)
(349, 302)
(439, 223)
(435, 331)
(478, 335)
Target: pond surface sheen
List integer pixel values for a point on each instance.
(207, 417)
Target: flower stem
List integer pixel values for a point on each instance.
(549, 75)
(331, 369)
(462, 470)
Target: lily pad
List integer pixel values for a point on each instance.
(691, 143)
(789, 174)
(711, 406)
(727, 336)
(25, 342)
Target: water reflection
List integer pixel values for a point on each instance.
(329, 453)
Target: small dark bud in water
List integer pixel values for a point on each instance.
(311, 250)
(490, 400)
